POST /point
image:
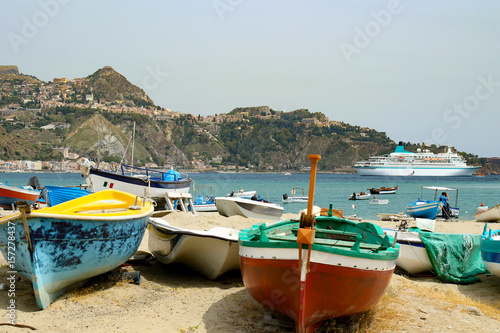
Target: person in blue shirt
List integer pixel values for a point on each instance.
(446, 207)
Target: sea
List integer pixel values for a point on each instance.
(330, 189)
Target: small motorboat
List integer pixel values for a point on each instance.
(360, 196)
(490, 250)
(454, 258)
(423, 209)
(488, 215)
(55, 195)
(211, 253)
(204, 198)
(242, 194)
(10, 194)
(383, 190)
(62, 246)
(294, 197)
(259, 209)
(376, 201)
(135, 180)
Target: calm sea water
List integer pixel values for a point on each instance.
(330, 188)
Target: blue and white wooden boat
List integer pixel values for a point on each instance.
(204, 198)
(60, 247)
(423, 209)
(55, 195)
(490, 250)
(10, 194)
(135, 180)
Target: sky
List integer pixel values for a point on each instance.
(420, 71)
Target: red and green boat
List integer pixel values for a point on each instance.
(317, 268)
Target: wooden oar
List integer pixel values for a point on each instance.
(305, 235)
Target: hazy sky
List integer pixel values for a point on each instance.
(421, 71)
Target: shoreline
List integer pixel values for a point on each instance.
(173, 298)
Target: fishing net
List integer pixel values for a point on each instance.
(455, 258)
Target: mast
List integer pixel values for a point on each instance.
(133, 145)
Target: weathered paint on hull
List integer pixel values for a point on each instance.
(331, 291)
(66, 252)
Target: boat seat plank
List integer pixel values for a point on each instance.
(325, 241)
(330, 232)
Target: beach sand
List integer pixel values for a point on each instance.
(172, 298)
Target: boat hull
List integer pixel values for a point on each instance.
(490, 215)
(55, 195)
(345, 271)
(211, 253)
(416, 171)
(276, 283)
(10, 194)
(490, 252)
(67, 250)
(229, 206)
(413, 256)
(425, 211)
(99, 180)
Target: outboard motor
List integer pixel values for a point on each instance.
(34, 183)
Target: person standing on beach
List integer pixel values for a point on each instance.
(446, 208)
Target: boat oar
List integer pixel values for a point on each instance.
(305, 235)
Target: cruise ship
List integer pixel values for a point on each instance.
(421, 163)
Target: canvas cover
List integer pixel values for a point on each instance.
(455, 258)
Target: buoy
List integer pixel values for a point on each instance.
(353, 206)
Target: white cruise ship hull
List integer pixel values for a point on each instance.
(415, 171)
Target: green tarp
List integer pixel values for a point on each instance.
(455, 258)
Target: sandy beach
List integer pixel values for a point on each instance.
(172, 298)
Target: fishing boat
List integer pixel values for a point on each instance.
(376, 201)
(490, 249)
(258, 209)
(431, 209)
(422, 163)
(55, 195)
(204, 198)
(62, 246)
(211, 253)
(320, 267)
(10, 194)
(294, 196)
(488, 215)
(242, 194)
(413, 257)
(454, 258)
(360, 196)
(423, 209)
(135, 180)
(384, 190)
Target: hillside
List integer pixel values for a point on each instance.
(108, 84)
(94, 117)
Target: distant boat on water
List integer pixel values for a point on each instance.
(421, 163)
